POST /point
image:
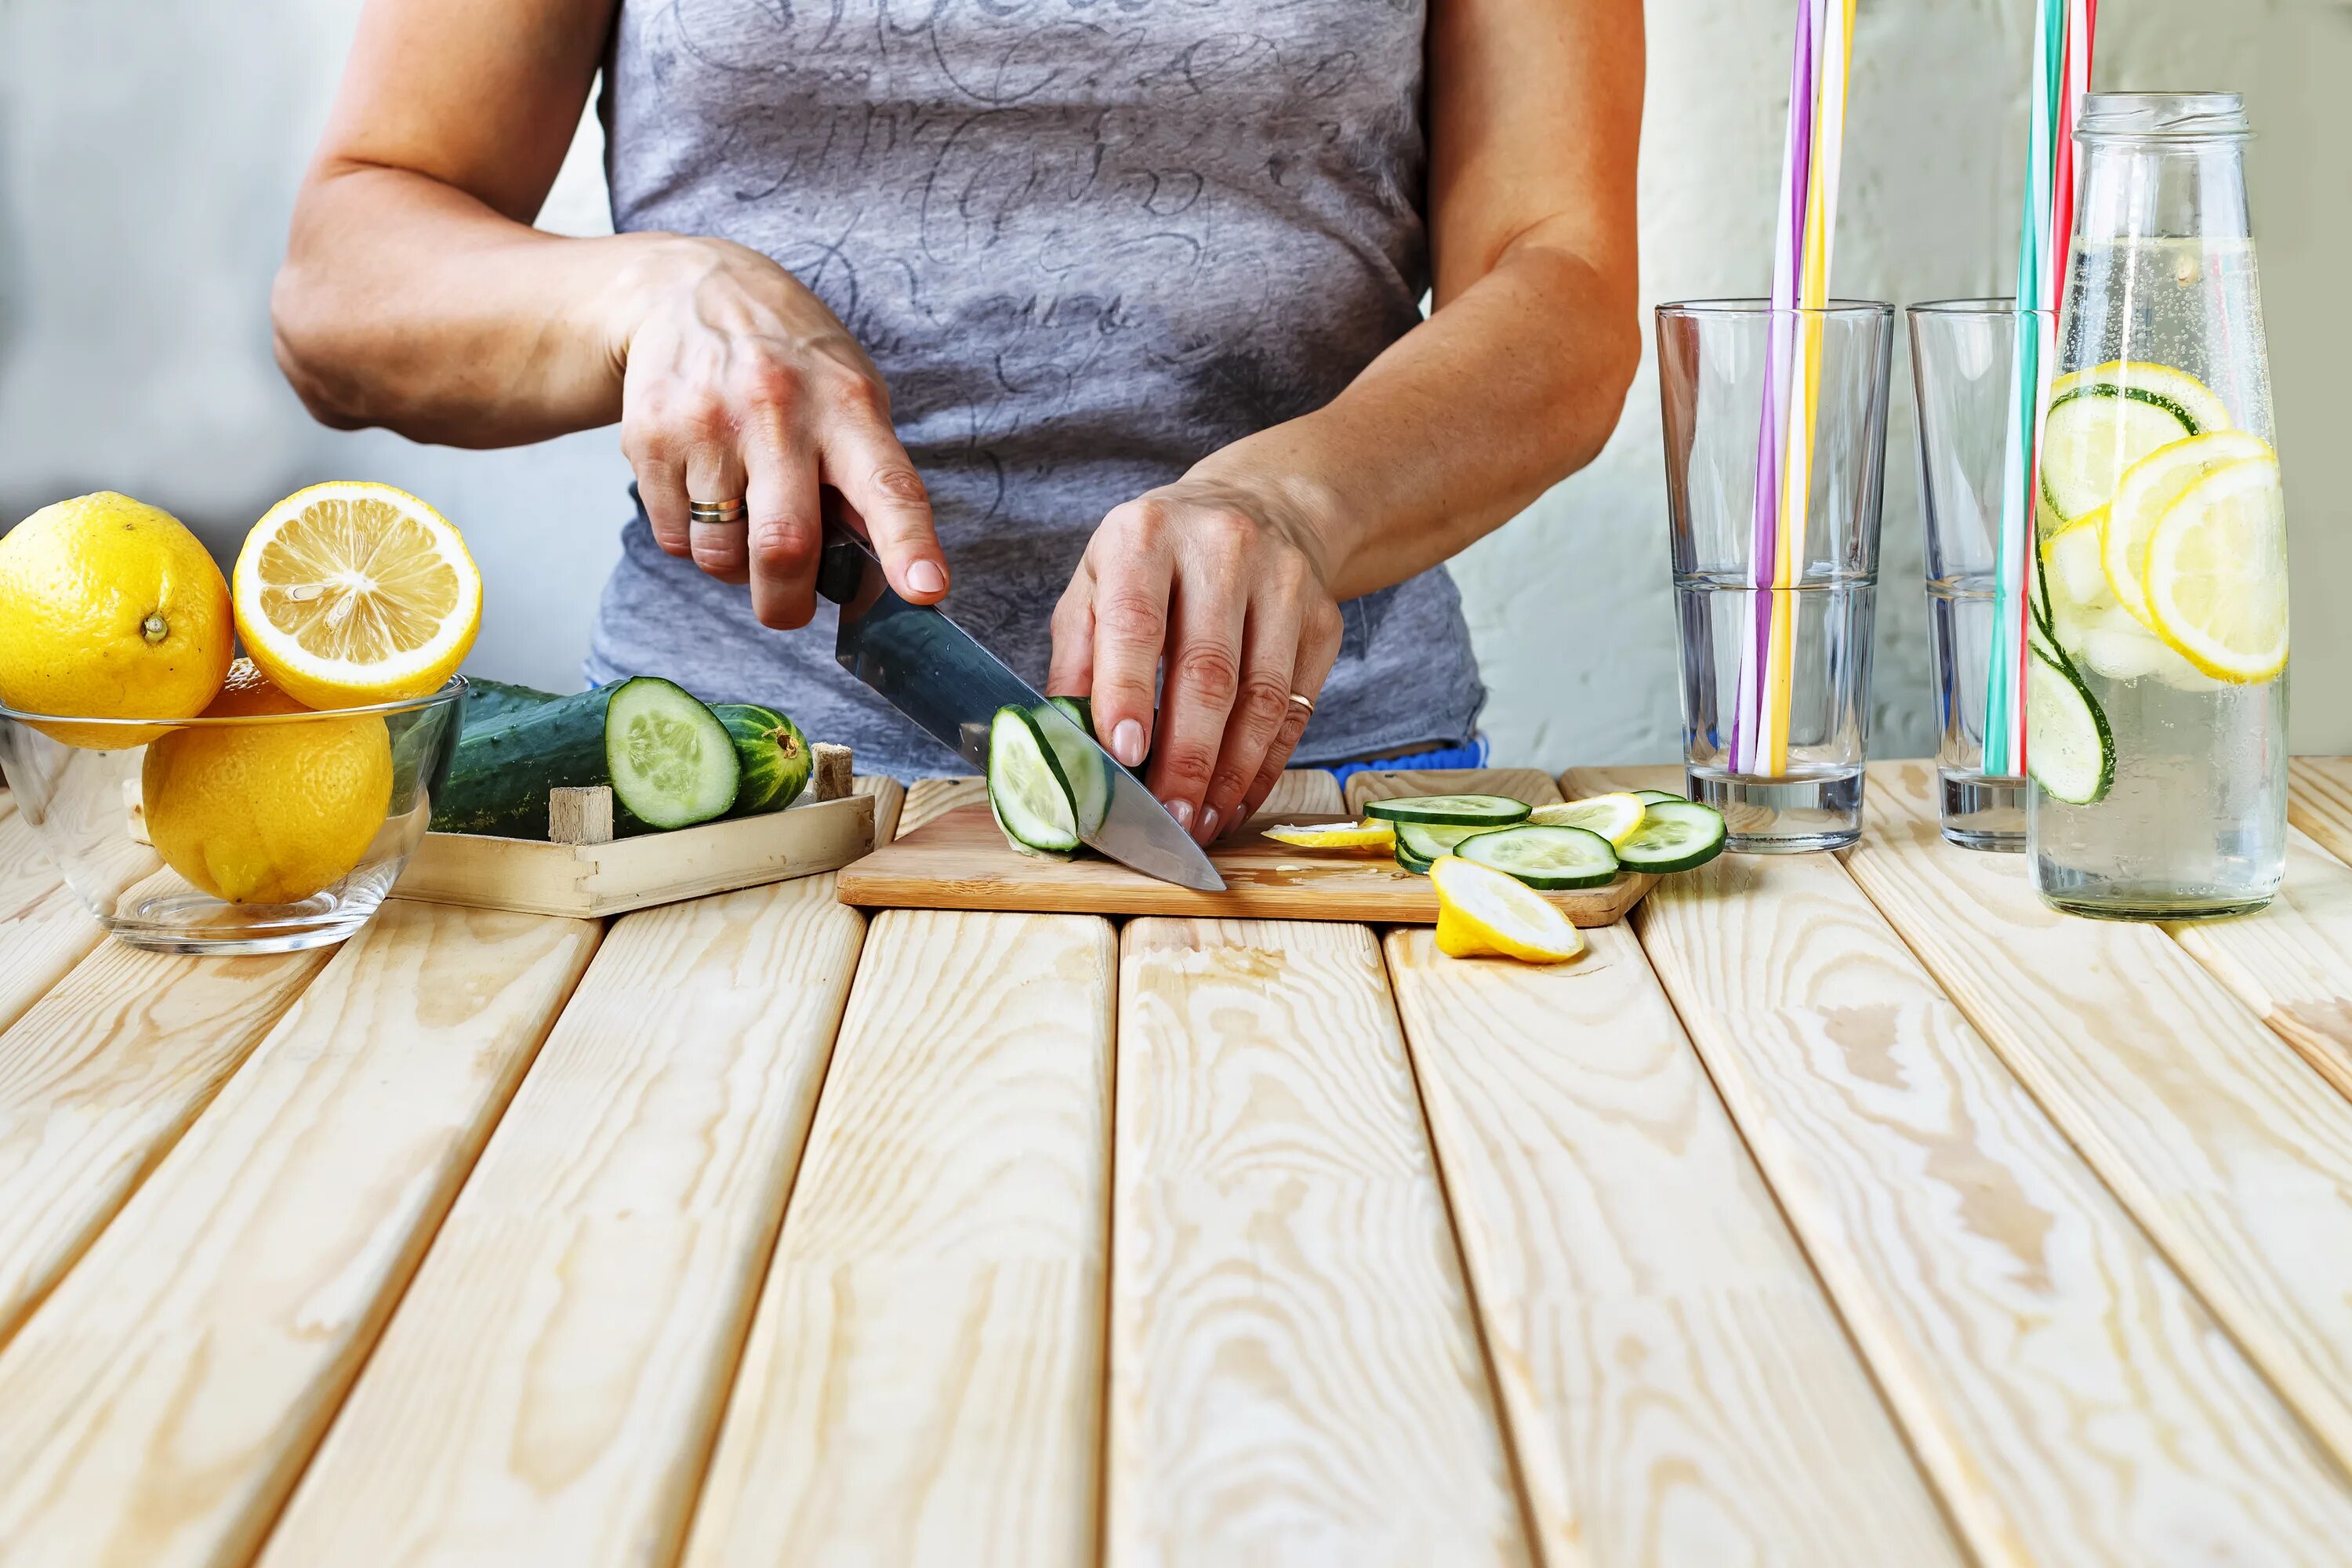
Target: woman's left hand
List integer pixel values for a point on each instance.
(1224, 582)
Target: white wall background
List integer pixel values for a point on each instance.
(149, 151)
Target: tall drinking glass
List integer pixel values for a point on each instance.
(1962, 352)
(1791, 649)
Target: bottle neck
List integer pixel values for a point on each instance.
(2174, 189)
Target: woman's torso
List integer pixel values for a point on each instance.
(1087, 242)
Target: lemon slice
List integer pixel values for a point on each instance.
(352, 594)
(2216, 581)
(1380, 835)
(1483, 911)
(2147, 487)
(1616, 818)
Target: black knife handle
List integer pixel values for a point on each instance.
(841, 570)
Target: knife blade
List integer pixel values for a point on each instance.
(944, 680)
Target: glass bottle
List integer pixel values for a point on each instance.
(2156, 675)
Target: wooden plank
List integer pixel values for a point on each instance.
(923, 1383)
(2220, 1141)
(1678, 1387)
(44, 930)
(889, 798)
(2319, 801)
(593, 880)
(960, 861)
(2068, 1395)
(1301, 792)
(929, 798)
(1530, 784)
(1296, 1377)
(100, 1078)
(550, 1388)
(156, 1408)
(2292, 962)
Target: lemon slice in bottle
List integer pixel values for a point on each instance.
(2148, 488)
(1380, 835)
(2216, 574)
(352, 594)
(1616, 818)
(1482, 912)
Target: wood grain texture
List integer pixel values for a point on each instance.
(1530, 784)
(890, 797)
(593, 880)
(100, 1078)
(1301, 792)
(2070, 1397)
(1679, 1388)
(2292, 962)
(923, 1382)
(929, 798)
(2319, 801)
(44, 930)
(1296, 1377)
(156, 1408)
(549, 1390)
(960, 861)
(2223, 1143)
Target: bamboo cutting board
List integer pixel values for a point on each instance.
(958, 860)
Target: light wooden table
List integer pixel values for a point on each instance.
(1839, 1210)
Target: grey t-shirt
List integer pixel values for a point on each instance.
(1087, 242)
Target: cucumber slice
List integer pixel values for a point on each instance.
(1452, 810)
(1031, 800)
(774, 753)
(1426, 841)
(1657, 796)
(2069, 750)
(1067, 724)
(2093, 433)
(1418, 865)
(1676, 836)
(1546, 857)
(1020, 848)
(671, 761)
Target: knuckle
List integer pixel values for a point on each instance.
(1131, 614)
(1146, 521)
(901, 483)
(781, 545)
(858, 394)
(1208, 669)
(1189, 765)
(1263, 700)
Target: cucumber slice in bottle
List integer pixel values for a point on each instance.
(1657, 796)
(671, 760)
(2069, 750)
(1676, 836)
(1031, 799)
(1546, 857)
(2095, 431)
(1452, 810)
(1068, 725)
(1428, 840)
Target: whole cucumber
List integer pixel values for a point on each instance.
(499, 778)
(774, 753)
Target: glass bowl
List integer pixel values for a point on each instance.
(261, 808)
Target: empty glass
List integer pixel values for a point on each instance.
(1792, 651)
(1961, 355)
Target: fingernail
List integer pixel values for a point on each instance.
(1182, 810)
(925, 577)
(1127, 743)
(1208, 825)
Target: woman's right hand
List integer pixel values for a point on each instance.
(738, 383)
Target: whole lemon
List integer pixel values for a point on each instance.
(266, 814)
(110, 609)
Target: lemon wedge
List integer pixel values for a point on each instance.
(1482, 912)
(1616, 818)
(353, 594)
(1380, 835)
(2146, 489)
(2216, 574)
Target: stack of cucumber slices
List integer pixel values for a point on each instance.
(2162, 556)
(1579, 844)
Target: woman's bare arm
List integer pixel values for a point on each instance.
(416, 296)
(1229, 576)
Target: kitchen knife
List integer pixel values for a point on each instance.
(939, 676)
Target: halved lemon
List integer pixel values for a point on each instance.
(1380, 835)
(351, 594)
(2216, 582)
(1483, 911)
(1616, 818)
(2146, 489)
